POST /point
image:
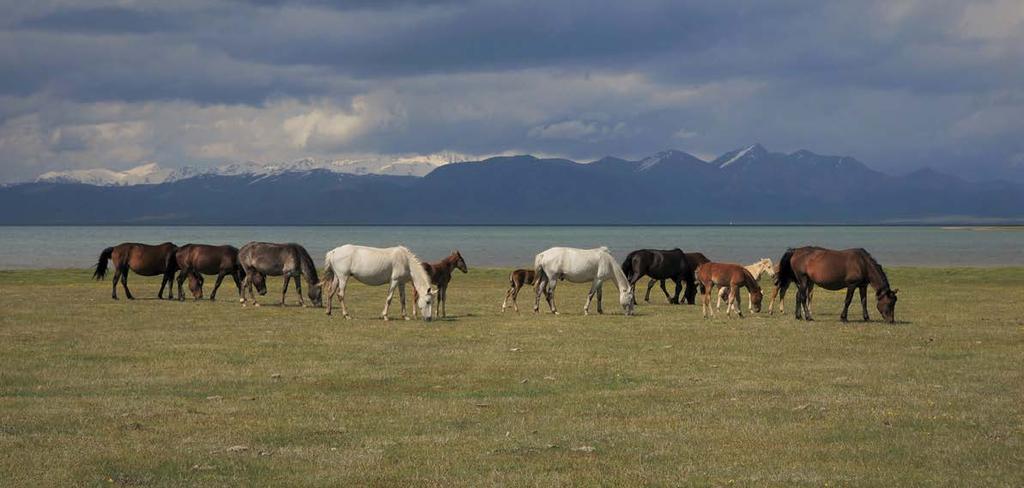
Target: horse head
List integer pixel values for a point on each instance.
(887, 304)
(756, 296)
(260, 281)
(626, 299)
(195, 285)
(768, 267)
(426, 303)
(459, 261)
(316, 295)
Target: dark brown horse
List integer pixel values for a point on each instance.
(665, 264)
(262, 259)
(143, 259)
(516, 280)
(733, 276)
(440, 275)
(853, 269)
(200, 259)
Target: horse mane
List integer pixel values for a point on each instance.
(603, 248)
(308, 268)
(416, 266)
(877, 268)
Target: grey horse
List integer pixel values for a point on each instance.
(262, 259)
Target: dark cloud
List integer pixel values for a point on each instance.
(898, 84)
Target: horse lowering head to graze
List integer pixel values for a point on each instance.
(661, 265)
(144, 260)
(394, 266)
(593, 266)
(762, 266)
(262, 259)
(516, 280)
(203, 259)
(440, 276)
(853, 269)
(195, 285)
(732, 276)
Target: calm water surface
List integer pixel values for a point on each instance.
(62, 247)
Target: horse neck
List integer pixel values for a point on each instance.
(620, 278)
(750, 281)
(420, 278)
(876, 276)
(307, 267)
(447, 263)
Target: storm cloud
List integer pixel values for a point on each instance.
(897, 84)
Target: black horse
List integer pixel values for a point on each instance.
(661, 265)
(262, 259)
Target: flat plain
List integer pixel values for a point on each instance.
(101, 392)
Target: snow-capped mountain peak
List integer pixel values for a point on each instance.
(669, 155)
(150, 173)
(748, 153)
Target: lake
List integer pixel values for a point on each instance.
(78, 247)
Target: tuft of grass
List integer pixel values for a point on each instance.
(149, 392)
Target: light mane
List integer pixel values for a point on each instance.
(416, 268)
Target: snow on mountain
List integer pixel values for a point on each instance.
(152, 173)
(670, 155)
(749, 153)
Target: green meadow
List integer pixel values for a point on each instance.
(98, 392)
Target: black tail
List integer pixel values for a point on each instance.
(785, 276)
(101, 264)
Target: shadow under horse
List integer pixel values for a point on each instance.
(144, 260)
(665, 264)
(262, 259)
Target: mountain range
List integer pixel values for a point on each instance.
(748, 185)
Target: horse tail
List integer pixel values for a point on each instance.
(101, 264)
(328, 269)
(785, 275)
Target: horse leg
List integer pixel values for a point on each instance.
(807, 300)
(181, 281)
(515, 295)
(600, 299)
(550, 294)
(590, 297)
(690, 294)
(342, 283)
(539, 287)
(443, 293)
(679, 289)
(117, 277)
(124, 284)
(737, 300)
(846, 304)
(800, 294)
(328, 288)
(238, 284)
(287, 278)
(650, 285)
(387, 301)
(220, 278)
(705, 301)
(864, 301)
(401, 297)
(163, 283)
(298, 290)
(508, 294)
(723, 294)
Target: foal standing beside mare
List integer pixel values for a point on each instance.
(195, 260)
(853, 269)
(143, 259)
(262, 259)
(516, 280)
(440, 275)
(733, 277)
(764, 265)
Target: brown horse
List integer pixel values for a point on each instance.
(200, 259)
(143, 259)
(778, 292)
(853, 269)
(516, 280)
(732, 276)
(440, 275)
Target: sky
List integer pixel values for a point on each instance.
(898, 84)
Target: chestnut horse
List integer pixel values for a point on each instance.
(853, 269)
(440, 275)
(200, 259)
(143, 259)
(732, 276)
(516, 280)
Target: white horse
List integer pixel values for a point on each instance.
(580, 266)
(374, 266)
(764, 265)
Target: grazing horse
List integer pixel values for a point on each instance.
(580, 266)
(394, 266)
(200, 259)
(516, 280)
(143, 259)
(732, 276)
(663, 264)
(440, 275)
(693, 259)
(764, 265)
(262, 259)
(853, 269)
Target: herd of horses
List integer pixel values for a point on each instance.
(691, 273)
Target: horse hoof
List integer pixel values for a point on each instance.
(255, 304)
(386, 318)
(348, 317)
(404, 317)
(241, 300)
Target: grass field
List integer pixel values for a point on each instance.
(98, 392)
